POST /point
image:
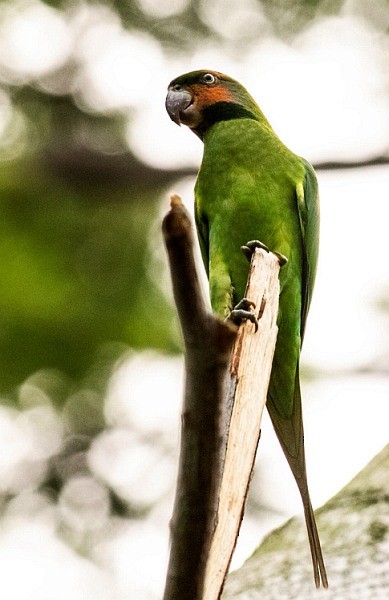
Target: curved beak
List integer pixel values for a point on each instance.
(176, 102)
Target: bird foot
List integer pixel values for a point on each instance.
(242, 312)
(249, 249)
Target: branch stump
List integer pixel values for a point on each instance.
(227, 376)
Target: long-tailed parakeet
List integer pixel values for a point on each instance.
(251, 187)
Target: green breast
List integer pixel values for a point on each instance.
(246, 189)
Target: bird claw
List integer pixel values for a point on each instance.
(281, 258)
(245, 304)
(249, 249)
(242, 312)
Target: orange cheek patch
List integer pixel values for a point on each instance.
(205, 96)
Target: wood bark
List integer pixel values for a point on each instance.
(208, 342)
(250, 370)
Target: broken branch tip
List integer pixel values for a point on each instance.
(175, 201)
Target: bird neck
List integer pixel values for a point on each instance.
(222, 111)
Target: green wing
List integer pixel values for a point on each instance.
(308, 208)
(203, 235)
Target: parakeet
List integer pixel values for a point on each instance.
(250, 186)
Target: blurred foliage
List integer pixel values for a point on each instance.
(186, 24)
(74, 272)
(290, 17)
(75, 268)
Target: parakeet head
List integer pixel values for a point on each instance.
(201, 98)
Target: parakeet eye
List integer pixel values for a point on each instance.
(209, 78)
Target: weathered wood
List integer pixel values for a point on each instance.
(250, 372)
(225, 392)
(208, 343)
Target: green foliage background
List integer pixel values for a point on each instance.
(74, 244)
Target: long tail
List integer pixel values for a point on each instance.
(319, 569)
(290, 434)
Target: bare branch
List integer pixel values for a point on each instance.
(250, 373)
(221, 416)
(334, 165)
(208, 343)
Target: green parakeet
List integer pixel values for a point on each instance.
(251, 187)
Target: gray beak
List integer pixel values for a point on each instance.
(177, 100)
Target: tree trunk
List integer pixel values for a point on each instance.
(354, 529)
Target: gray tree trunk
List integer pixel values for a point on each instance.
(354, 529)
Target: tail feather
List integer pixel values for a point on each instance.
(290, 434)
(319, 570)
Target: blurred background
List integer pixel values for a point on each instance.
(91, 368)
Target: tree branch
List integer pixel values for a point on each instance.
(250, 373)
(208, 343)
(221, 415)
(333, 165)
